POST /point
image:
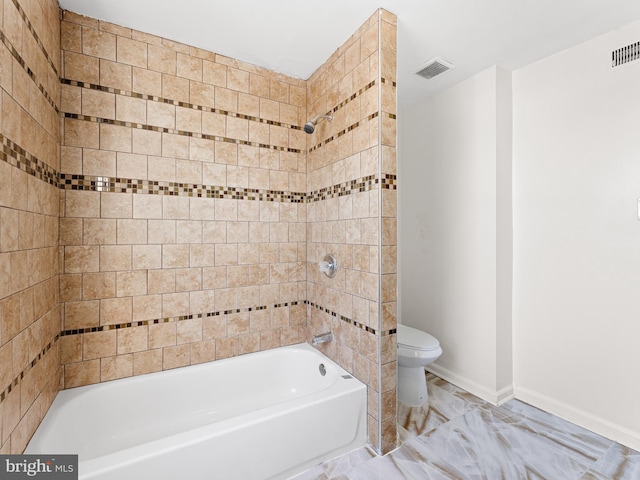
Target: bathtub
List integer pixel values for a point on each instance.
(265, 415)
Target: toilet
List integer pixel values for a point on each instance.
(416, 349)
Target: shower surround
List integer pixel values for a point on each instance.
(29, 166)
(194, 209)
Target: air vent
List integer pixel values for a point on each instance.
(625, 54)
(434, 67)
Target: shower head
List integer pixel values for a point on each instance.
(310, 126)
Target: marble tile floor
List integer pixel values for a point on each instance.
(459, 436)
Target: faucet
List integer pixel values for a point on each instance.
(322, 338)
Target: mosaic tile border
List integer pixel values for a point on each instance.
(350, 321)
(393, 83)
(353, 96)
(389, 181)
(362, 184)
(150, 187)
(193, 106)
(350, 128)
(145, 323)
(177, 103)
(16, 381)
(183, 133)
(18, 58)
(35, 35)
(127, 93)
(186, 133)
(18, 157)
(92, 183)
(345, 102)
(343, 132)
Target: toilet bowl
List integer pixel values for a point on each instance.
(416, 349)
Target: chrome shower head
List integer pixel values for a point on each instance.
(310, 126)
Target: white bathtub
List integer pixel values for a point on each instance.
(266, 415)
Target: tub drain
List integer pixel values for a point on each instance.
(323, 370)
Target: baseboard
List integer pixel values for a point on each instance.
(615, 432)
(487, 394)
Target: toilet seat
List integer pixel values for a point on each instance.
(414, 339)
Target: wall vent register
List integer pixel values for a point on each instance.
(625, 54)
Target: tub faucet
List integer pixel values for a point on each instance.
(322, 338)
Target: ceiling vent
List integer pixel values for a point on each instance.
(434, 67)
(625, 54)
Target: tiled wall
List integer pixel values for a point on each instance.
(352, 214)
(29, 166)
(192, 209)
(183, 222)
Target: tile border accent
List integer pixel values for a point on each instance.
(350, 321)
(145, 323)
(345, 102)
(393, 83)
(362, 184)
(350, 128)
(93, 183)
(357, 185)
(177, 103)
(353, 96)
(389, 181)
(126, 185)
(343, 132)
(184, 133)
(18, 157)
(16, 381)
(31, 29)
(18, 58)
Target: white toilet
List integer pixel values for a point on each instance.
(415, 350)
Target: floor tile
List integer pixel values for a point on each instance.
(459, 436)
(618, 463)
(442, 407)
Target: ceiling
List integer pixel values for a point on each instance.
(296, 36)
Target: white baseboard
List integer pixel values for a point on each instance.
(487, 394)
(615, 432)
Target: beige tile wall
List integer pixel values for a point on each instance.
(352, 214)
(183, 223)
(187, 211)
(29, 164)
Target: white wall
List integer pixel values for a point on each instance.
(577, 236)
(576, 233)
(455, 158)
